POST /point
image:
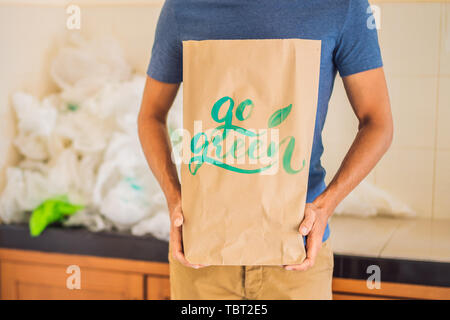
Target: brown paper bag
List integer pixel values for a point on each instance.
(249, 113)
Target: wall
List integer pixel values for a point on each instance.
(415, 42)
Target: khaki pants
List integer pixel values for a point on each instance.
(253, 282)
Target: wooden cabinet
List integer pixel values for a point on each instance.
(37, 275)
(158, 288)
(350, 289)
(35, 281)
(28, 274)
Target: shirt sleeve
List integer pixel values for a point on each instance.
(166, 59)
(357, 48)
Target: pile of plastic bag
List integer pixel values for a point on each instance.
(82, 143)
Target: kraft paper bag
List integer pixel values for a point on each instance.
(249, 109)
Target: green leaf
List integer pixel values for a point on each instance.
(279, 116)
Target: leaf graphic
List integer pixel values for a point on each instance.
(279, 116)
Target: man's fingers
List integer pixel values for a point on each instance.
(178, 221)
(176, 238)
(177, 248)
(314, 226)
(308, 222)
(305, 265)
(313, 245)
(177, 218)
(312, 248)
(182, 259)
(179, 255)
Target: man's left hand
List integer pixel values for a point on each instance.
(313, 226)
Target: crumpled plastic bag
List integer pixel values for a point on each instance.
(34, 117)
(89, 218)
(35, 124)
(11, 207)
(367, 200)
(82, 68)
(24, 190)
(118, 103)
(126, 191)
(158, 225)
(32, 182)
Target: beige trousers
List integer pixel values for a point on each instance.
(253, 282)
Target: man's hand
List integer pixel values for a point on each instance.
(176, 237)
(313, 226)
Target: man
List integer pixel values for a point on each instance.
(350, 46)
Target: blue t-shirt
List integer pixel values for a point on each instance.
(345, 27)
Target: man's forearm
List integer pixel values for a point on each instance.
(369, 145)
(156, 102)
(157, 149)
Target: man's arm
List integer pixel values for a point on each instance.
(368, 95)
(156, 102)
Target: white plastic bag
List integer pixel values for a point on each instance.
(80, 71)
(368, 200)
(158, 226)
(125, 185)
(34, 118)
(36, 122)
(89, 218)
(24, 191)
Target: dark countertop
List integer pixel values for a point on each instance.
(147, 248)
(84, 242)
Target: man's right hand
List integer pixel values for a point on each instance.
(176, 237)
